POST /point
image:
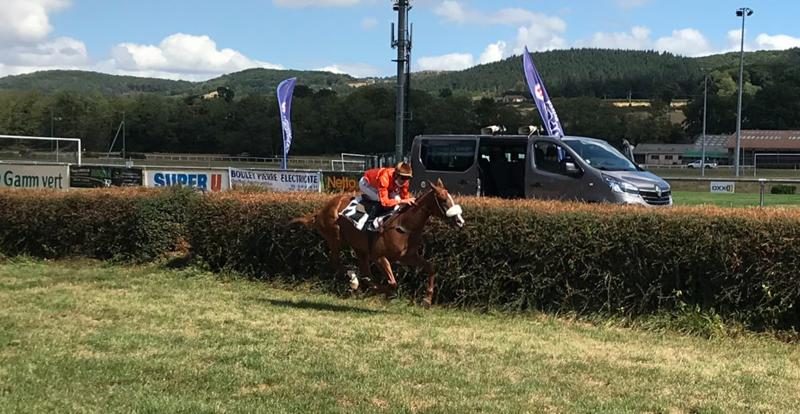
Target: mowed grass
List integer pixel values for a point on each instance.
(727, 172)
(90, 337)
(735, 199)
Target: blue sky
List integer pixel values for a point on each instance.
(201, 39)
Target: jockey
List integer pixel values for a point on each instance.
(388, 186)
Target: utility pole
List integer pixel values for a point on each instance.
(705, 100)
(123, 136)
(402, 43)
(53, 131)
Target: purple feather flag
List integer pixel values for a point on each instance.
(285, 91)
(540, 96)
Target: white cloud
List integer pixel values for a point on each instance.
(452, 61)
(358, 70)
(26, 21)
(369, 23)
(454, 11)
(493, 52)
(734, 38)
(686, 42)
(537, 31)
(638, 38)
(24, 43)
(460, 61)
(315, 3)
(776, 42)
(182, 54)
(61, 51)
(540, 35)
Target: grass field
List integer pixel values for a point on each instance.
(726, 172)
(92, 337)
(734, 200)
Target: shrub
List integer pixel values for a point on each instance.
(783, 189)
(739, 265)
(554, 257)
(131, 225)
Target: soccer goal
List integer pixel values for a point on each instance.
(40, 149)
(354, 162)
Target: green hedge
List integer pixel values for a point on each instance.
(516, 255)
(129, 225)
(555, 257)
(783, 189)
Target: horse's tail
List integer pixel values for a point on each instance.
(308, 220)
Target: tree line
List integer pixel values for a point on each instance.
(323, 121)
(326, 121)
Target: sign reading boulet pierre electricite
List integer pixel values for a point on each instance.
(276, 180)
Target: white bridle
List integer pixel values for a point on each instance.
(455, 210)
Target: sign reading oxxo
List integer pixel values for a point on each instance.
(723, 187)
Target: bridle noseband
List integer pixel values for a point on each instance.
(450, 212)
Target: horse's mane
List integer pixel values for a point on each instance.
(407, 208)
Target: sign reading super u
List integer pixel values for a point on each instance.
(206, 180)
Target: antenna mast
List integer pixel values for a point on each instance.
(403, 45)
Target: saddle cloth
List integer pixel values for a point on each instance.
(362, 213)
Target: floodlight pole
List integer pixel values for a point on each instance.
(743, 12)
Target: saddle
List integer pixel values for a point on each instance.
(366, 214)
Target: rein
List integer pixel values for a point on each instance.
(391, 226)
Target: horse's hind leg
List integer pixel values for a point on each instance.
(386, 267)
(334, 247)
(418, 261)
(364, 268)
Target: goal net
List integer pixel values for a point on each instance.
(16, 148)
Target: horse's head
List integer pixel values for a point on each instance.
(446, 207)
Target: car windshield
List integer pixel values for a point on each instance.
(601, 155)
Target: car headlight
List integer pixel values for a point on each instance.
(619, 186)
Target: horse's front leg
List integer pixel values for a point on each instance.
(418, 261)
(334, 247)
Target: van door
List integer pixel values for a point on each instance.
(453, 159)
(549, 177)
(501, 166)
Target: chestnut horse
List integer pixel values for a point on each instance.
(399, 240)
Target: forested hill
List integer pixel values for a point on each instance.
(247, 82)
(601, 73)
(567, 73)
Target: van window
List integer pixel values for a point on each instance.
(601, 155)
(545, 157)
(447, 155)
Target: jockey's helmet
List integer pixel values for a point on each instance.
(403, 169)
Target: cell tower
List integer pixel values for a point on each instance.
(401, 40)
